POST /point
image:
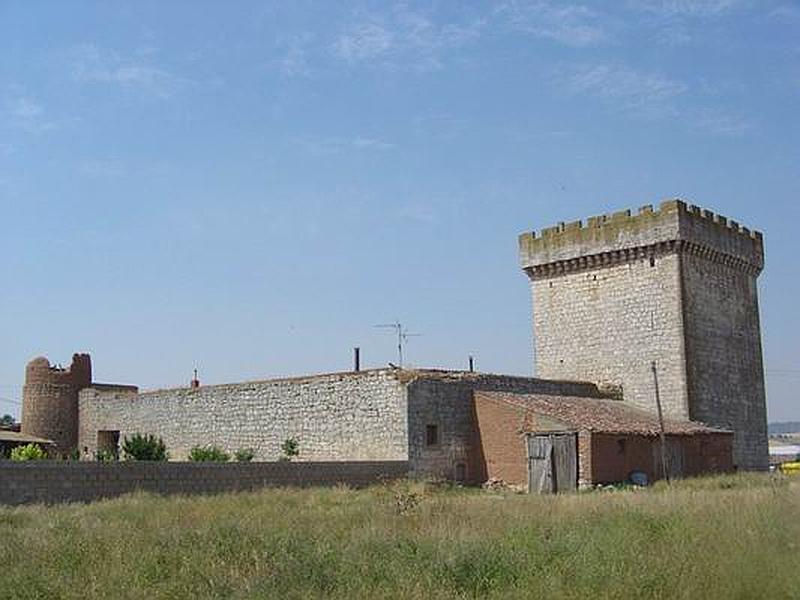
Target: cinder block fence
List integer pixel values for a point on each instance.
(51, 482)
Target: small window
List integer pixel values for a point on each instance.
(652, 261)
(431, 435)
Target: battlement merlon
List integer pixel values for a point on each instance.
(621, 235)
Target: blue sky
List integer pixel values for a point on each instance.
(250, 187)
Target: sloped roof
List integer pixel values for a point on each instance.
(596, 414)
(6, 435)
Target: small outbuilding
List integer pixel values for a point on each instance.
(559, 443)
(10, 439)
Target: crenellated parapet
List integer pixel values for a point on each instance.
(623, 236)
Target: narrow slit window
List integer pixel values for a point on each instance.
(431, 435)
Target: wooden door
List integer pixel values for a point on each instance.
(565, 462)
(552, 463)
(540, 464)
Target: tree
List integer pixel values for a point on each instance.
(7, 421)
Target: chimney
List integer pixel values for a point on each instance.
(195, 383)
(356, 359)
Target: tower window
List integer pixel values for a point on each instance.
(652, 261)
(431, 435)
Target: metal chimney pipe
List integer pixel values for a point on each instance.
(357, 359)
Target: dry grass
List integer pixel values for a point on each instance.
(726, 537)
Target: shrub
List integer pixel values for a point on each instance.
(28, 452)
(290, 448)
(244, 455)
(208, 454)
(144, 447)
(104, 455)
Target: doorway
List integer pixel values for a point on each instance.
(552, 463)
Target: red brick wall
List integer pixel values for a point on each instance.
(501, 428)
(708, 453)
(610, 463)
(702, 454)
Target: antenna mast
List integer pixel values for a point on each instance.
(402, 338)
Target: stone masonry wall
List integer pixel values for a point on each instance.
(446, 401)
(345, 416)
(607, 324)
(675, 285)
(50, 482)
(723, 347)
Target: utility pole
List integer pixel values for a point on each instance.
(662, 434)
(402, 337)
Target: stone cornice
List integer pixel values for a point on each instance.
(626, 255)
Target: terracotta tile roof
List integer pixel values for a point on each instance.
(595, 414)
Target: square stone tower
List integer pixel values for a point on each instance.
(676, 286)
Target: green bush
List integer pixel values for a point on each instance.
(208, 454)
(290, 448)
(28, 452)
(144, 447)
(244, 455)
(103, 455)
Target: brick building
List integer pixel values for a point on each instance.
(607, 439)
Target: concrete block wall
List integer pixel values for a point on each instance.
(344, 416)
(50, 482)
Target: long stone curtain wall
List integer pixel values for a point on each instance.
(345, 416)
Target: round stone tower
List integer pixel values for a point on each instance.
(50, 400)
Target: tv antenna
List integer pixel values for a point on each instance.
(402, 337)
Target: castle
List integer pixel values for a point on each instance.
(620, 303)
(676, 286)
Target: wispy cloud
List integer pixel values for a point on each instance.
(90, 64)
(652, 95)
(363, 41)
(569, 24)
(786, 13)
(101, 168)
(718, 122)
(293, 50)
(418, 212)
(23, 112)
(404, 38)
(335, 145)
(643, 93)
(688, 8)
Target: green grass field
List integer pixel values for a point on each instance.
(725, 537)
